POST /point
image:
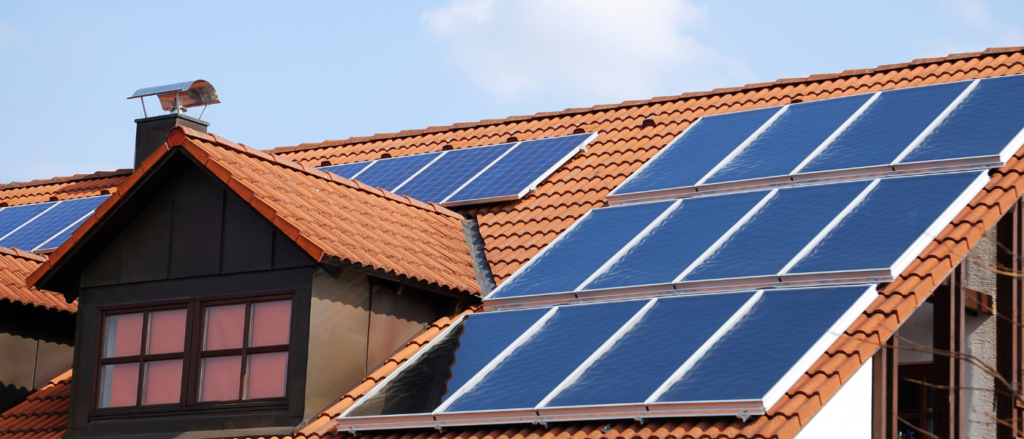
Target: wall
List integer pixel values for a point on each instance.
(848, 414)
(979, 397)
(35, 346)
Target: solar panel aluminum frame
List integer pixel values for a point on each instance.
(758, 407)
(529, 188)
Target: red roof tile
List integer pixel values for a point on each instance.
(15, 266)
(331, 218)
(43, 415)
(61, 188)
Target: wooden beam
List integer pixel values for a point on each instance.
(948, 333)
(1008, 329)
(885, 390)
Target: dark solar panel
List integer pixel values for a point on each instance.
(62, 215)
(518, 170)
(390, 173)
(450, 172)
(982, 125)
(14, 217)
(580, 251)
(697, 151)
(886, 128)
(347, 170)
(794, 135)
(88, 203)
(661, 327)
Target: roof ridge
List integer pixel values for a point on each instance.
(309, 170)
(636, 103)
(57, 180)
(19, 253)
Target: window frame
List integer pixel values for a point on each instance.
(191, 357)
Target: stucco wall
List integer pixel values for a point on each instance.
(848, 414)
(979, 398)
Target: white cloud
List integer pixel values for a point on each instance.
(598, 49)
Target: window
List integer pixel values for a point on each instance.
(195, 353)
(916, 400)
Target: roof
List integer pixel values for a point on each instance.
(62, 188)
(332, 219)
(43, 415)
(514, 232)
(628, 134)
(15, 266)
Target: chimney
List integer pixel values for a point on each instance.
(151, 132)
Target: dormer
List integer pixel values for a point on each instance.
(224, 293)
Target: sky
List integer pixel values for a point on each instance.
(294, 72)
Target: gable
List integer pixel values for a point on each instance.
(194, 227)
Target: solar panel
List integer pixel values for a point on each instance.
(523, 378)
(697, 151)
(777, 232)
(796, 133)
(391, 173)
(762, 349)
(454, 357)
(580, 250)
(986, 123)
(614, 359)
(676, 242)
(347, 170)
(450, 172)
(962, 125)
(885, 227)
(660, 327)
(886, 128)
(11, 218)
(52, 221)
(521, 169)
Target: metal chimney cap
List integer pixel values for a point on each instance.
(176, 97)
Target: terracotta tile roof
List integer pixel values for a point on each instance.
(15, 266)
(62, 188)
(43, 415)
(331, 218)
(514, 232)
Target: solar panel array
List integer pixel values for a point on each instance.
(728, 264)
(44, 226)
(841, 232)
(468, 176)
(938, 127)
(571, 362)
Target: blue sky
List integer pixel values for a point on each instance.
(293, 72)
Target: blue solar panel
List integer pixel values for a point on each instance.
(761, 348)
(580, 251)
(516, 171)
(431, 378)
(389, 173)
(347, 170)
(442, 178)
(661, 330)
(13, 217)
(982, 125)
(699, 149)
(788, 141)
(888, 126)
(880, 229)
(68, 210)
(672, 246)
(777, 232)
(55, 220)
(534, 369)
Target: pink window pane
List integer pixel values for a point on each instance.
(163, 382)
(123, 335)
(166, 331)
(119, 385)
(225, 326)
(266, 375)
(271, 322)
(221, 376)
